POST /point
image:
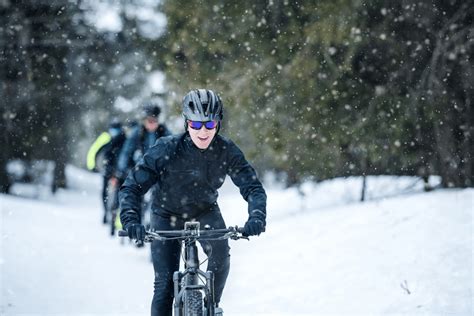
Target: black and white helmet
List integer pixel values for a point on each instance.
(202, 105)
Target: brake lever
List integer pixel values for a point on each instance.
(237, 237)
(152, 236)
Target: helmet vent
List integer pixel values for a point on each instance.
(203, 96)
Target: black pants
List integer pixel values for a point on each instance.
(105, 185)
(166, 256)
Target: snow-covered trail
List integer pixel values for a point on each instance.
(356, 260)
(408, 255)
(58, 259)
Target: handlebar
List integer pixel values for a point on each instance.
(234, 233)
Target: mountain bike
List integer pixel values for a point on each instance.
(193, 288)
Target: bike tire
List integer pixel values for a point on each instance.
(193, 303)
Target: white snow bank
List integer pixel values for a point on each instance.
(323, 253)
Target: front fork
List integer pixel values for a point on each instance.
(191, 276)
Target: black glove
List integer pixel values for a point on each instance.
(254, 226)
(136, 231)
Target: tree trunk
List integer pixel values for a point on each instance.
(364, 186)
(4, 180)
(59, 145)
(4, 154)
(59, 177)
(467, 146)
(448, 155)
(5, 147)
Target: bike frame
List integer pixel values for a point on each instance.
(188, 280)
(190, 275)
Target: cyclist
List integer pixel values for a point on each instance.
(188, 169)
(109, 143)
(141, 137)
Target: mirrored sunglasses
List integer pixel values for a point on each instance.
(199, 125)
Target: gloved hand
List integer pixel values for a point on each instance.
(136, 231)
(254, 226)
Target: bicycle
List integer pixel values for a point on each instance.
(188, 284)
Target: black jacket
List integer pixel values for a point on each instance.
(111, 152)
(187, 179)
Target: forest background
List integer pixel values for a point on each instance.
(311, 89)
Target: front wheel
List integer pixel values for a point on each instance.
(193, 303)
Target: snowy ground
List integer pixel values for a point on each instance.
(402, 252)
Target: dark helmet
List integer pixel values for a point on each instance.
(115, 123)
(202, 105)
(150, 109)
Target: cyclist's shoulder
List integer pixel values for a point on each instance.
(165, 148)
(163, 130)
(167, 143)
(170, 140)
(103, 138)
(225, 142)
(119, 139)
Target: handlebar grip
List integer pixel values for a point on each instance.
(242, 230)
(122, 233)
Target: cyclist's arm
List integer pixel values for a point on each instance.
(244, 176)
(138, 182)
(95, 148)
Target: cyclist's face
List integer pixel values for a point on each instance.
(202, 137)
(151, 124)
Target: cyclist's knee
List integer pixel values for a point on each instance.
(219, 260)
(163, 285)
(217, 248)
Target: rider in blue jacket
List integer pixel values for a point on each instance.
(187, 170)
(140, 138)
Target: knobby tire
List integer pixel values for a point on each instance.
(193, 303)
